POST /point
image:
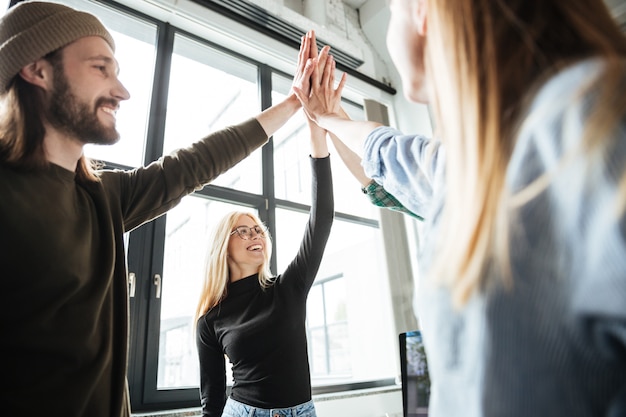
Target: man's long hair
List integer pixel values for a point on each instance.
(487, 59)
(22, 111)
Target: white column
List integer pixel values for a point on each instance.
(397, 249)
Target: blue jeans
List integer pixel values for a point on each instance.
(236, 409)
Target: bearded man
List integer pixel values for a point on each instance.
(63, 304)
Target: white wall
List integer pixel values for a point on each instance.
(364, 403)
(379, 402)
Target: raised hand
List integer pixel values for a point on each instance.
(322, 99)
(306, 56)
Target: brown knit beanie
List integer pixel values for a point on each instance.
(32, 29)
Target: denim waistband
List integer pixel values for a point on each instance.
(235, 408)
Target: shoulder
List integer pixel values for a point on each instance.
(564, 166)
(205, 331)
(381, 134)
(562, 96)
(554, 123)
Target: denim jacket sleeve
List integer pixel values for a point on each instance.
(407, 166)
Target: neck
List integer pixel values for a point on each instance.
(238, 272)
(61, 149)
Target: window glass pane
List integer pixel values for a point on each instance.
(208, 91)
(339, 349)
(335, 300)
(292, 164)
(315, 307)
(135, 51)
(317, 351)
(4, 5)
(292, 168)
(349, 316)
(327, 322)
(186, 242)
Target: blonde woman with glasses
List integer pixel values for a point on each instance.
(522, 287)
(256, 319)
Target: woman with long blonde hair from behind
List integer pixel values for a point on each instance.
(522, 292)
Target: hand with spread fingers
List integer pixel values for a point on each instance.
(323, 99)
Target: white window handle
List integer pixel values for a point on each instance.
(132, 283)
(157, 283)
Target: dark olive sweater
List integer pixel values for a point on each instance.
(63, 303)
(262, 331)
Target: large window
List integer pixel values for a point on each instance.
(208, 90)
(184, 86)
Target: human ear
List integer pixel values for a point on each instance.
(420, 14)
(38, 73)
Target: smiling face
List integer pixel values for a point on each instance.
(86, 92)
(245, 257)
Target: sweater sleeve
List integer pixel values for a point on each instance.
(309, 257)
(407, 166)
(212, 371)
(147, 192)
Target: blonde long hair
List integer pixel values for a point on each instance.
(217, 274)
(486, 58)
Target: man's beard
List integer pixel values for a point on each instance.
(68, 114)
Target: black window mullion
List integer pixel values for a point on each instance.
(144, 357)
(152, 398)
(158, 109)
(140, 240)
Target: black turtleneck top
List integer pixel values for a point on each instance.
(262, 331)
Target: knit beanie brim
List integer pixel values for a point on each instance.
(32, 29)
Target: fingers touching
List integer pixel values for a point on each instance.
(306, 56)
(318, 95)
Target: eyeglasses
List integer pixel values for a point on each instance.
(245, 232)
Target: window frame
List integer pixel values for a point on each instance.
(145, 253)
